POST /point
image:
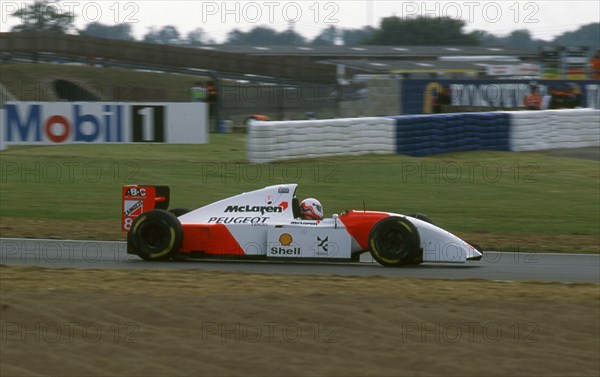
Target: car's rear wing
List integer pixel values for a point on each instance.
(137, 199)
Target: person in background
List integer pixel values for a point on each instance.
(556, 101)
(211, 92)
(212, 97)
(533, 101)
(595, 66)
(442, 100)
(198, 92)
(572, 96)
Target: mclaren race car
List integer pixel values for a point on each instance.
(266, 224)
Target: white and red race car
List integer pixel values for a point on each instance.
(265, 224)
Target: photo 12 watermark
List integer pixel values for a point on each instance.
(118, 12)
(63, 253)
(259, 93)
(470, 172)
(469, 331)
(48, 91)
(472, 11)
(68, 331)
(516, 253)
(260, 12)
(270, 332)
(68, 172)
(225, 172)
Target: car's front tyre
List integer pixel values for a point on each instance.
(421, 216)
(395, 241)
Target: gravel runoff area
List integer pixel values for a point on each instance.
(73, 322)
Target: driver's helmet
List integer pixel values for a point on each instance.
(311, 209)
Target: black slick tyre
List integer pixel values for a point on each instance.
(394, 241)
(156, 235)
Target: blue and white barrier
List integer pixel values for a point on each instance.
(420, 135)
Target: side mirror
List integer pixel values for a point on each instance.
(335, 217)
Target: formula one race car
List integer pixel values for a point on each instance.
(266, 224)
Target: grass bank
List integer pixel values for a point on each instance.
(498, 199)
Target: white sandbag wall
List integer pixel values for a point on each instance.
(420, 135)
(552, 129)
(276, 141)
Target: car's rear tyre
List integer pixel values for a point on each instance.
(394, 241)
(156, 235)
(179, 211)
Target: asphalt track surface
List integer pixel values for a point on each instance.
(500, 266)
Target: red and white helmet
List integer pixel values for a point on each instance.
(311, 209)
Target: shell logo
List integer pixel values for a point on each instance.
(286, 239)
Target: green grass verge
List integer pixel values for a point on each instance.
(497, 197)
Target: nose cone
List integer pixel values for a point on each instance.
(474, 252)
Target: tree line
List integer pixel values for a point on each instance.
(422, 31)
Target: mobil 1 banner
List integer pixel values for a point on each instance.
(103, 122)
